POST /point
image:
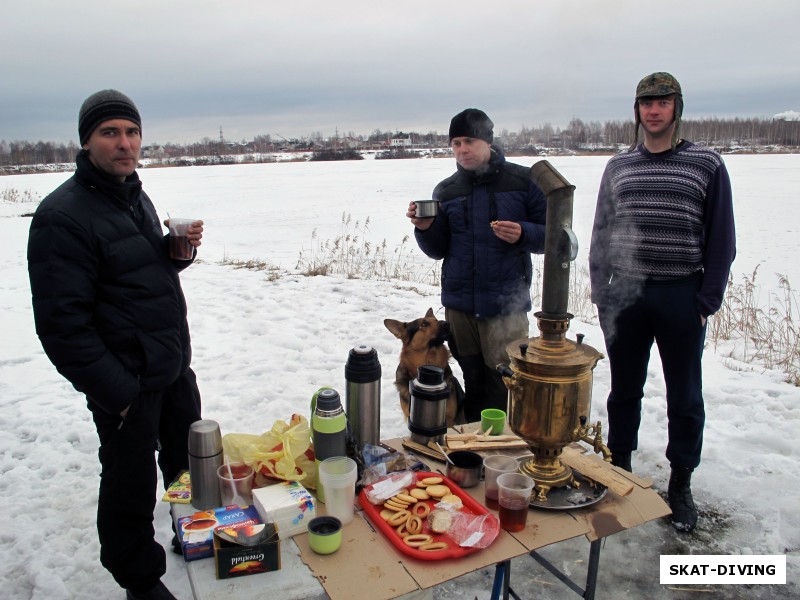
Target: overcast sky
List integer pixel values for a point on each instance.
(295, 68)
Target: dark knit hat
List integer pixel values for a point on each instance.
(472, 123)
(657, 85)
(104, 106)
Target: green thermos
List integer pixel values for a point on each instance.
(328, 429)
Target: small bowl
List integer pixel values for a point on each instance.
(426, 208)
(325, 534)
(466, 471)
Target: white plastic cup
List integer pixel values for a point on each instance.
(337, 476)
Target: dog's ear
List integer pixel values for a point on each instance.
(429, 313)
(398, 328)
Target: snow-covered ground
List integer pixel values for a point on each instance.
(264, 341)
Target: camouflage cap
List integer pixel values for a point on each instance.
(658, 84)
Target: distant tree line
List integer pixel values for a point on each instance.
(727, 135)
(33, 153)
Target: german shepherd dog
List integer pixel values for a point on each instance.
(424, 344)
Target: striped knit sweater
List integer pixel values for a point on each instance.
(664, 216)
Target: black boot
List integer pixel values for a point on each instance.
(158, 592)
(176, 545)
(622, 460)
(684, 512)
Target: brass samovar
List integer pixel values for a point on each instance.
(550, 377)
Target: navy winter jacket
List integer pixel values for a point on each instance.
(107, 299)
(481, 274)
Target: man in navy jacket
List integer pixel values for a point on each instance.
(490, 219)
(111, 316)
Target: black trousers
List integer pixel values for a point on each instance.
(157, 420)
(664, 312)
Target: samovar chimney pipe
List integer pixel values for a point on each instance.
(560, 243)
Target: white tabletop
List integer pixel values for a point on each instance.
(294, 580)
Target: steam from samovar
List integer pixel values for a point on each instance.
(550, 377)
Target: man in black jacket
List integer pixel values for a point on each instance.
(111, 316)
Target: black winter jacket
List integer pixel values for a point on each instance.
(481, 274)
(107, 299)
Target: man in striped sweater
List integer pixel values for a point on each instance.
(662, 245)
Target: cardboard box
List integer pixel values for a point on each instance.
(287, 504)
(235, 560)
(196, 531)
(180, 490)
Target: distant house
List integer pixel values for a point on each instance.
(400, 142)
(789, 115)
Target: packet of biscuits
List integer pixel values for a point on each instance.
(384, 488)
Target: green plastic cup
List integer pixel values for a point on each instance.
(325, 534)
(493, 421)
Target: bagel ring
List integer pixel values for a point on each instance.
(414, 525)
(433, 546)
(401, 516)
(421, 510)
(418, 539)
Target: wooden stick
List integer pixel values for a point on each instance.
(472, 437)
(592, 467)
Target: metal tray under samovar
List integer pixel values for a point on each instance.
(569, 497)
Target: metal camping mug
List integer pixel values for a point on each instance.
(426, 208)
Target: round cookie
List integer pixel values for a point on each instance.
(419, 494)
(431, 480)
(452, 499)
(438, 491)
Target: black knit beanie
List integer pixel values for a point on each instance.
(104, 106)
(472, 123)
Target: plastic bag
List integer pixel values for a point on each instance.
(281, 454)
(473, 531)
(379, 461)
(465, 529)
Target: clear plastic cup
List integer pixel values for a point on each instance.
(493, 467)
(179, 246)
(236, 484)
(514, 497)
(337, 476)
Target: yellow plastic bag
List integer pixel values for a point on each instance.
(281, 454)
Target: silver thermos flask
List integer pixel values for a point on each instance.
(205, 457)
(362, 373)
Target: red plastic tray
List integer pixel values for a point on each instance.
(470, 505)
